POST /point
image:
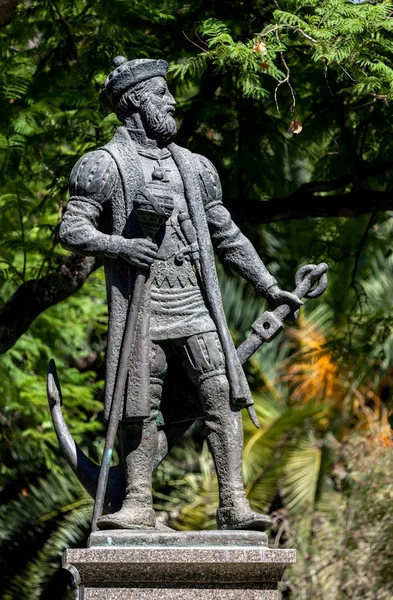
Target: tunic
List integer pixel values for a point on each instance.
(177, 306)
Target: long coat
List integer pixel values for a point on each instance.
(103, 185)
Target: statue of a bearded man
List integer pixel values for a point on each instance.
(181, 320)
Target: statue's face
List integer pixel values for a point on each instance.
(157, 107)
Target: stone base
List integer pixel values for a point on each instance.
(182, 593)
(206, 565)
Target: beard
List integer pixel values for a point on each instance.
(159, 123)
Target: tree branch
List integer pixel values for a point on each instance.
(305, 205)
(7, 8)
(36, 295)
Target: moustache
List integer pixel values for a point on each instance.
(163, 116)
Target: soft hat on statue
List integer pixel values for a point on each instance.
(126, 74)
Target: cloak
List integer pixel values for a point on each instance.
(103, 185)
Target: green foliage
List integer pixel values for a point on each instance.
(352, 41)
(237, 57)
(28, 441)
(351, 38)
(351, 554)
(46, 518)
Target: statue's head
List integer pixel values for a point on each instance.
(139, 86)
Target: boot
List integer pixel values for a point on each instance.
(242, 517)
(225, 440)
(138, 447)
(129, 516)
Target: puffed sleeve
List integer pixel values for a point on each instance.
(92, 183)
(231, 245)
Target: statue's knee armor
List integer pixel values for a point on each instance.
(203, 357)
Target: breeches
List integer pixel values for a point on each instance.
(200, 355)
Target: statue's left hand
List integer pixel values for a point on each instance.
(276, 296)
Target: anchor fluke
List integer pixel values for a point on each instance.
(85, 469)
(53, 386)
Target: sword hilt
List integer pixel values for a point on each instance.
(270, 323)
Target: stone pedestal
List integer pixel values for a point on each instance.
(168, 565)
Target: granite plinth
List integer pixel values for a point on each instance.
(182, 593)
(172, 565)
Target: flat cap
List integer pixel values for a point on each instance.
(126, 74)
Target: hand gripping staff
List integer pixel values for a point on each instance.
(153, 206)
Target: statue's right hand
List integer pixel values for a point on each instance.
(138, 252)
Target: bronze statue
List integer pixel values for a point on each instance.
(154, 212)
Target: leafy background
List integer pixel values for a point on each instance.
(291, 101)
